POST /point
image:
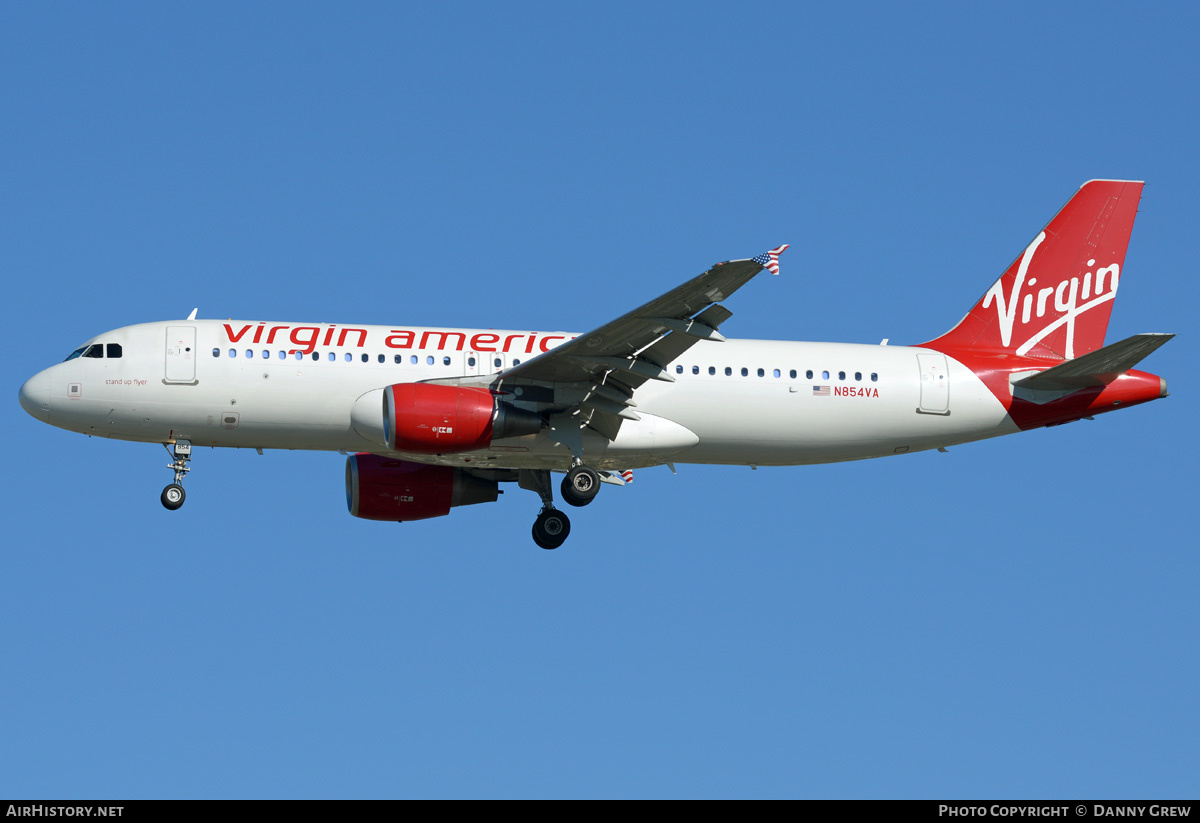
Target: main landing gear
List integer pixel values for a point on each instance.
(578, 488)
(551, 528)
(172, 496)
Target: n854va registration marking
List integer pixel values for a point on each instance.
(855, 391)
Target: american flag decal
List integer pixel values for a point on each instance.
(627, 476)
(770, 260)
(820, 391)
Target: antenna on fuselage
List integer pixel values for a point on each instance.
(192, 316)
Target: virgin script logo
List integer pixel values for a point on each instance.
(1092, 291)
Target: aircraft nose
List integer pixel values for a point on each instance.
(35, 396)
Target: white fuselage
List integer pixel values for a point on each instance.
(289, 386)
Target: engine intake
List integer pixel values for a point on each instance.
(383, 488)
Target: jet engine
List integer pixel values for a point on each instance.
(383, 488)
(428, 418)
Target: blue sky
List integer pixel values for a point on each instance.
(1015, 618)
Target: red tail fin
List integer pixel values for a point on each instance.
(1055, 299)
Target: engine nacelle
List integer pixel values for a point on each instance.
(428, 418)
(383, 488)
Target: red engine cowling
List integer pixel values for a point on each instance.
(427, 418)
(383, 488)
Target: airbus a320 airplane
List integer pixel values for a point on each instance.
(435, 418)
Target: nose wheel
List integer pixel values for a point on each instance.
(172, 496)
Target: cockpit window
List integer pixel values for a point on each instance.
(112, 349)
(94, 350)
(75, 353)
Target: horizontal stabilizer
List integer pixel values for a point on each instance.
(1098, 368)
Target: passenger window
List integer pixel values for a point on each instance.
(266, 355)
(516, 362)
(712, 369)
(348, 357)
(216, 352)
(679, 369)
(471, 362)
(808, 374)
(825, 375)
(316, 356)
(249, 354)
(745, 371)
(429, 360)
(874, 377)
(299, 355)
(695, 369)
(777, 372)
(762, 373)
(233, 352)
(792, 374)
(858, 375)
(841, 375)
(113, 350)
(381, 358)
(366, 358)
(413, 360)
(398, 359)
(495, 362)
(728, 371)
(332, 356)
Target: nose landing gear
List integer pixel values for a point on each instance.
(172, 496)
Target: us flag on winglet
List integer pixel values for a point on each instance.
(627, 476)
(770, 260)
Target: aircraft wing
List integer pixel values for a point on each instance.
(609, 363)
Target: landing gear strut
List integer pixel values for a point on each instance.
(172, 496)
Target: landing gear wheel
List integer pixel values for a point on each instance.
(551, 528)
(173, 496)
(580, 486)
